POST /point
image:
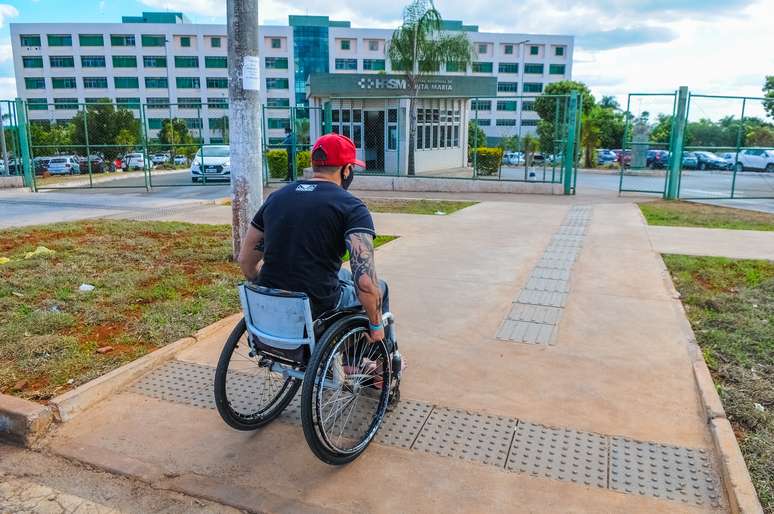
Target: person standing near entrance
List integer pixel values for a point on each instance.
(289, 147)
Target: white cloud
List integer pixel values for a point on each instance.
(7, 88)
(200, 7)
(7, 11)
(6, 53)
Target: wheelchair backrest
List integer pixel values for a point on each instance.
(278, 318)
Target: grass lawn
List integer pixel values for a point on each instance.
(687, 214)
(730, 304)
(403, 206)
(155, 282)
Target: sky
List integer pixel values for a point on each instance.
(715, 47)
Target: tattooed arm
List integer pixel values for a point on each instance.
(251, 253)
(361, 251)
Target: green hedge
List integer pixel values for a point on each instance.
(278, 163)
(488, 160)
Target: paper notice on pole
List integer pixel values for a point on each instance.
(251, 73)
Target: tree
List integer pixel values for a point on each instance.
(100, 124)
(509, 143)
(529, 145)
(174, 133)
(760, 136)
(50, 139)
(768, 92)
(610, 102)
(419, 48)
(476, 135)
(547, 103)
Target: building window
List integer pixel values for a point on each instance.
(157, 102)
(63, 83)
(61, 61)
(122, 40)
(189, 102)
(556, 69)
(373, 45)
(37, 104)
(91, 40)
(277, 102)
(217, 83)
(482, 67)
(346, 64)
(126, 82)
(154, 61)
(276, 43)
(92, 61)
(156, 82)
(528, 106)
(454, 66)
(153, 40)
(533, 68)
(483, 122)
(480, 105)
(529, 123)
(374, 64)
(215, 62)
(215, 42)
(505, 123)
(276, 63)
(507, 87)
(533, 87)
(29, 40)
(185, 41)
(507, 105)
(193, 123)
(217, 103)
(534, 50)
(187, 82)
(66, 104)
(155, 123)
(187, 61)
(508, 49)
(220, 123)
(60, 39)
(34, 83)
(32, 62)
(124, 61)
(128, 103)
(482, 48)
(559, 51)
(277, 83)
(278, 123)
(95, 82)
(345, 44)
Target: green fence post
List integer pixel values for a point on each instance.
(145, 128)
(739, 133)
(327, 118)
(569, 146)
(676, 145)
(475, 143)
(292, 154)
(24, 144)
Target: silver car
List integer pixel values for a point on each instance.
(64, 166)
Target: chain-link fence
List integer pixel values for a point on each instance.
(287, 139)
(10, 150)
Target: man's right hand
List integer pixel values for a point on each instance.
(375, 335)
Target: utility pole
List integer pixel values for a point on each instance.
(244, 115)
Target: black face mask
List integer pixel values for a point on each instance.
(346, 181)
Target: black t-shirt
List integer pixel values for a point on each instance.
(305, 225)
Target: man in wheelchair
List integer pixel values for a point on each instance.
(298, 237)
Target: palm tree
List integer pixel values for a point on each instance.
(610, 102)
(419, 48)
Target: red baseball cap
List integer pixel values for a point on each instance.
(335, 150)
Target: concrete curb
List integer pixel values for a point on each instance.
(22, 421)
(11, 182)
(453, 185)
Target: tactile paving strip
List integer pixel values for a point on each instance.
(526, 332)
(663, 471)
(402, 425)
(547, 298)
(467, 436)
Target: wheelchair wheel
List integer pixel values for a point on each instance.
(248, 394)
(345, 391)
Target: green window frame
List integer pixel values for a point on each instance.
(189, 102)
(66, 104)
(483, 122)
(187, 82)
(534, 68)
(215, 42)
(126, 82)
(533, 87)
(122, 40)
(482, 48)
(507, 87)
(32, 61)
(185, 41)
(508, 50)
(37, 104)
(480, 105)
(217, 103)
(529, 123)
(278, 102)
(276, 63)
(220, 123)
(91, 40)
(155, 123)
(193, 123)
(63, 83)
(556, 69)
(157, 102)
(217, 82)
(482, 67)
(559, 51)
(345, 44)
(59, 39)
(374, 64)
(454, 66)
(506, 122)
(507, 105)
(30, 40)
(276, 42)
(61, 61)
(508, 67)
(153, 40)
(534, 50)
(528, 106)
(186, 61)
(34, 83)
(212, 61)
(346, 64)
(124, 61)
(92, 61)
(277, 123)
(154, 61)
(128, 102)
(95, 83)
(156, 83)
(277, 83)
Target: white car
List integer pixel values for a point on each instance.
(64, 166)
(211, 163)
(159, 158)
(180, 159)
(513, 158)
(755, 159)
(134, 161)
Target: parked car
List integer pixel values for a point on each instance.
(657, 159)
(134, 161)
(513, 158)
(211, 163)
(710, 161)
(538, 159)
(605, 156)
(623, 157)
(181, 160)
(64, 165)
(40, 164)
(756, 159)
(159, 158)
(690, 161)
(97, 164)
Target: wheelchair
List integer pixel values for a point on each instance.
(347, 383)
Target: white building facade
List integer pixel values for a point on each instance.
(179, 69)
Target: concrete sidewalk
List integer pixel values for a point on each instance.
(615, 381)
(718, 242)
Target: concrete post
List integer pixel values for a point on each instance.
(569, 145)
(244, 115)
(676, 145)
